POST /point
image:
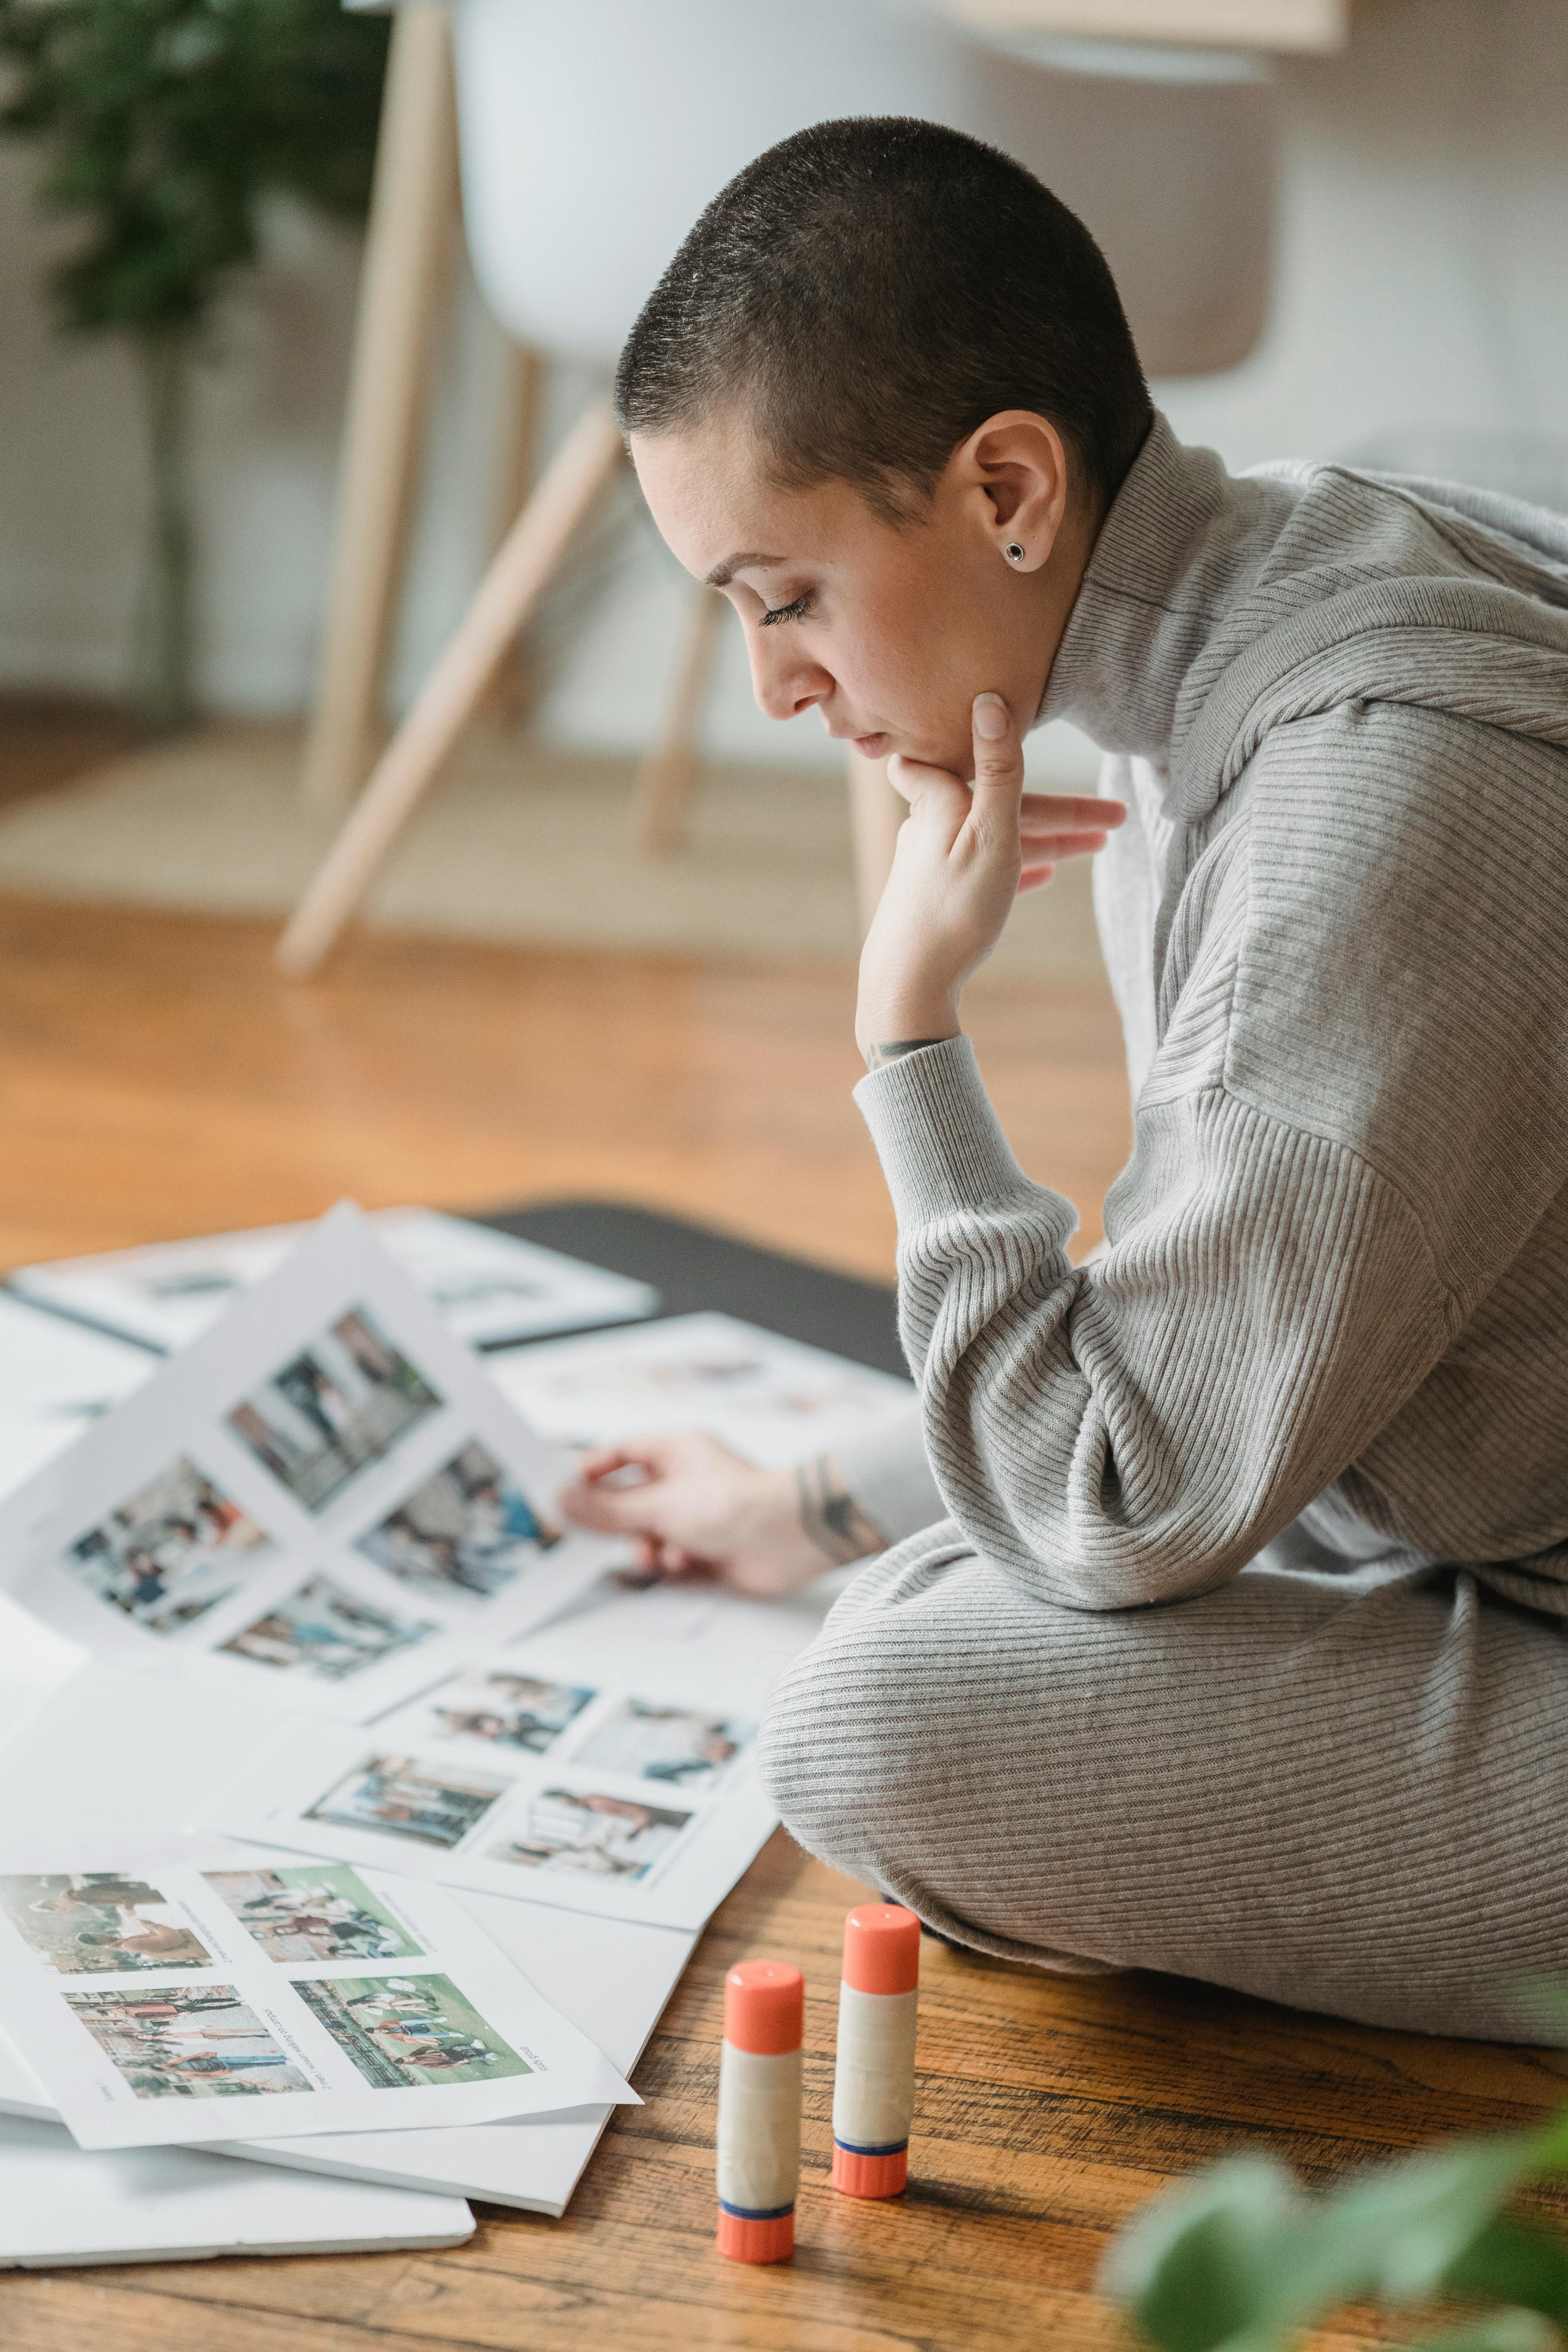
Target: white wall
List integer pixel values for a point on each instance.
(1421, 315)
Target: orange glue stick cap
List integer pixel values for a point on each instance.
(764, 2008)
(881, 1948)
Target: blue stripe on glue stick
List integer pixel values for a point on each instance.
(859, 2147)
(755, 2212)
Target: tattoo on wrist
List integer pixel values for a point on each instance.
(830, 1518)
(896, 1047)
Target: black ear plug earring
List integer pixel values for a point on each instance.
(1013, 551)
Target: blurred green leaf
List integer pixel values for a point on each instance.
(1197, 2267)
(1512, 2263)
(1237, 2259)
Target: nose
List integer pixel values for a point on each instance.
(783, 683)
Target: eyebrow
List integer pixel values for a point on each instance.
(723, 573)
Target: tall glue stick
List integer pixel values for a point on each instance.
(758, 2111)
(874, 2083)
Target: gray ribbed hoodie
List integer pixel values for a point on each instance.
(1337, 1274)
(1335, 1293)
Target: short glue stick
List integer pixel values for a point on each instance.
(874, 2086)
(758, 2111)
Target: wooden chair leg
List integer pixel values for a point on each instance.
(668, 777)
(412, 208)
(528, 555)
(876, 813)
(515, 686)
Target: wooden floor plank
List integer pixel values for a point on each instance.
(156, 1079)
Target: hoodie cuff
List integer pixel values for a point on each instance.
(940, 1142)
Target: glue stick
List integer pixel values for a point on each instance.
(758, 2111)
(874, 2083)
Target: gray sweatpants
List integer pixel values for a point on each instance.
(1347, 1792)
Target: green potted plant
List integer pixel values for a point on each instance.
(164, 124)
(1235, 2258)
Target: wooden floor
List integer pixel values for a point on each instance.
(155, 1079)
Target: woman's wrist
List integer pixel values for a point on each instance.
(886, 1025)
(831, 1520)
(894, 1049)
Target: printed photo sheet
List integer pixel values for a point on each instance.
(771, 1399)
(312, 1499)
(169, 2004)
(580, 1768)
(488, 1286)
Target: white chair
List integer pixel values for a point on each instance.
(590, 137)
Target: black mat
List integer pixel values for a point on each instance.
(692, 1267)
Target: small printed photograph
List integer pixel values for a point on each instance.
(187, 2042)
(511, 1710)
(405, 2033)
(170, 1552)
(326, 1631)
(595, 1835)
(467, 1529)
(679, 1746)
(342, 1402)
(313, 1911)
(94, 1924)
(408, 1799)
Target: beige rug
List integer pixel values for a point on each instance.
(521, 842)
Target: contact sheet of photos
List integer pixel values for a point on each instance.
(530, 1773)
(181, 2005)
(315, 1496)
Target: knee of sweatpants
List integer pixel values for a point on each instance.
(841, 1751)
(808, 1748)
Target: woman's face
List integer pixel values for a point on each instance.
(890, 631)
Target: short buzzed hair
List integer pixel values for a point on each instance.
(872, 290)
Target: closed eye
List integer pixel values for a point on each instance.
(795, 611)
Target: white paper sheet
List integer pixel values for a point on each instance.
(163, 2004)
(311, 1498)
(611, 1974)
(610, 1978)
(55, 1371)
(605, 1765)
(26, 1446)
(488, 1286)
(59, 2205)
(771, 1399)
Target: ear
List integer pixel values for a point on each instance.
(1017, 472)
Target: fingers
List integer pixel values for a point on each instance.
(1035, 877)
(914, 782)
(1043, 844)
(600, 1461)
(998, 766)
(609, 1510)
(1069, 812)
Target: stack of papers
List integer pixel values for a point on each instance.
(372, 1817)
(490, 1289)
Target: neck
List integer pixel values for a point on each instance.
(1144, 597)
